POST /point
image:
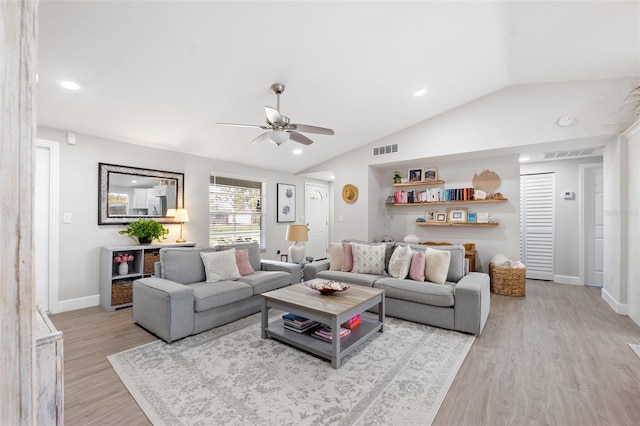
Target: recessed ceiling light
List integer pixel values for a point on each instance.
(523, 159)
(70, 85)
(134, 181)
(420, 92)
(297, 151)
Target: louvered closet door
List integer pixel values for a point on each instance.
(536, 224)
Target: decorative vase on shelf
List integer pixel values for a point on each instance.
(412, 239)
(123, 268)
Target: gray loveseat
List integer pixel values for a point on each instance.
(462, 303)
(178, 302)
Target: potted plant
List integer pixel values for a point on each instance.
(146, 231)
(396, 177)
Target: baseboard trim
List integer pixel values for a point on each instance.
(566, 279)
(618, 308)
(79, 303)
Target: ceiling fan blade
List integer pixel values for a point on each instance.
(256, 126)
(299, 137)
(312, 129)
(274, 116)
(260, 138)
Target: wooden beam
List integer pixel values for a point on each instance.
(18, 42)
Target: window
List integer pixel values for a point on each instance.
(235, 211)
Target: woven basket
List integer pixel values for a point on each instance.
(121, 293)
(150, 258)
(507, 281)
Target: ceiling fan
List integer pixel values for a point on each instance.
(279, 127)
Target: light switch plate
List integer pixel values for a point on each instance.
(66, 218)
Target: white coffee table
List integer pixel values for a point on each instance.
(333, 310)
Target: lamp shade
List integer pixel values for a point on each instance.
(297, 233)
(181, 216)
(278, 137)
(171, 212)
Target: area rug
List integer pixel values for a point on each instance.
(230, 376)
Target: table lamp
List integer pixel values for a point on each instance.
(181, 216)
(298, 234)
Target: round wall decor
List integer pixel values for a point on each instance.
(349, 193)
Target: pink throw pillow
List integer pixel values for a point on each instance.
(416, 270)
(347, 257)
(242, 260)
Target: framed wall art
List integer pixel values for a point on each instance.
(286, 203)
(430, 215)
(471, 218)
(415, 175)
(457, 215)
(441, 217)
(430, 174)
(482, 217)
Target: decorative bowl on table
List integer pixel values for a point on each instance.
(327, 287)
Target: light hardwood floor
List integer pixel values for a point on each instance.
(558, 356)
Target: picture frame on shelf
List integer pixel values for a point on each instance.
(471, 218)
(430, 215)
(415, 175)
(430, 174)
(457, 215)
(286, 202)
(482, 218)
(441, 217)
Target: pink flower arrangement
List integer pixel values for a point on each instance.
(123, 257)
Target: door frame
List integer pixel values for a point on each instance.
(54, 188)
(326, 194)
(581, 221)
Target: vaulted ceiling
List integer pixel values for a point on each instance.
(162, 74)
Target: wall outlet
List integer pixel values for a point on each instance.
(66, 218)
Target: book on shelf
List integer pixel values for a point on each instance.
(353, 322)
(297, 323)
(324, 333)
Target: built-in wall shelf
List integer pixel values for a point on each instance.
(428, 182)
(434, 203)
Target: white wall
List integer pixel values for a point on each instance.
(633, 217)
(566, 263)
(614, 289)
(80, 241)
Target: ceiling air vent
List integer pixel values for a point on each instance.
(580, 152)
(385, 149)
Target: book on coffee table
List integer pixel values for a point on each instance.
(297, 323)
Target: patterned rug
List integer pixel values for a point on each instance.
(230, 376)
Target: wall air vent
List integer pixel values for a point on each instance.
(385, 149)
(574, 153)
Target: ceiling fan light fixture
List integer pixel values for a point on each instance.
(278, 137)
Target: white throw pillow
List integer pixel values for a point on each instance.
(220, 265)
(400, 262)
(368, 258)
(335, 256)
(437, 265)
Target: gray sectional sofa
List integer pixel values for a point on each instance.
(462, 303)
(178, 302)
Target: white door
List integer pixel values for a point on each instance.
(316, 210)
(45, 224)
(536, 224)
(593, 208)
